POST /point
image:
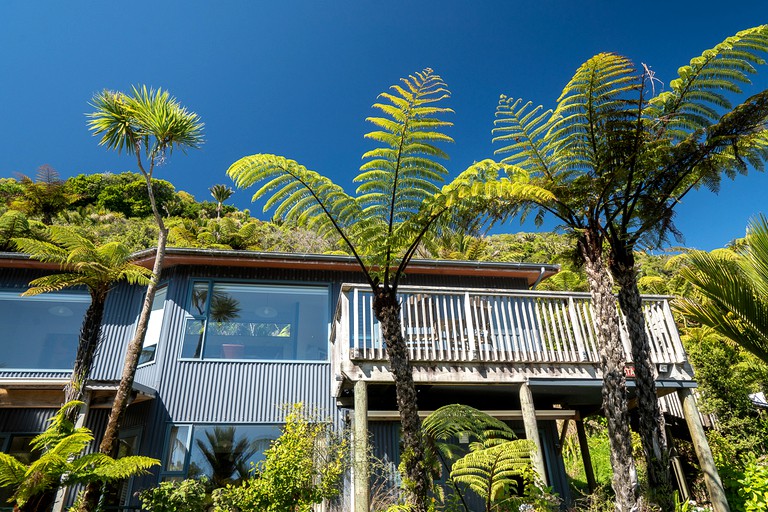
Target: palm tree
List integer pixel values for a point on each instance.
(83, 263)
(734, 291)
(623, 156)
(383, 226)
(220, 194)
(148, 124)
(62, 462)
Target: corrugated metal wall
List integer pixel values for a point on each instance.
(24, 420)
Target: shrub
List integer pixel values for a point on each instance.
(185, 496)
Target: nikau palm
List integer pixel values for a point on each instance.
(618, 158)
(148, 124)
(83, 263)
(220, 193)
(398, 201)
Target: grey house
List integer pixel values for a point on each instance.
(236, 336)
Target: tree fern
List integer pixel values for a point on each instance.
(496, 470)
(62, 461)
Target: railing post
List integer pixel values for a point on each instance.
(470, 325)
(677, 343)
(355, 317)
(576, 329)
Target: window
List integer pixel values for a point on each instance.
(40, 332)
(154, 327)
(222, 453)
(256, 322)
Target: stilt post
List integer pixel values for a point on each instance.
(703, 452)
(360, 449)
(532, 429)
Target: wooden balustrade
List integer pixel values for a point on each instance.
(498, 326)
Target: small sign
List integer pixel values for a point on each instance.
(629, 371)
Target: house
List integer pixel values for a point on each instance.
(234, 336)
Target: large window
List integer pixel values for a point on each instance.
(223, 453)
(154, 327)
(40, 332)
(256, 322)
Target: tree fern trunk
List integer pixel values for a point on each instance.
(612, 365)
(387, 311)
(109, 442)
(90, 337)
(651, 420)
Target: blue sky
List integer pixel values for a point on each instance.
(297, 78)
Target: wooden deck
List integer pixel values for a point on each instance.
(491, 336)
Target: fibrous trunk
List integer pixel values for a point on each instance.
(651, 423)
(90, 337)
(612, 366)
(387, 311)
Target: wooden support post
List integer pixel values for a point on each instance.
(563, 434)
(586, 458)
(703, 452)
(532, 429)
(360, 450)
(677, 466)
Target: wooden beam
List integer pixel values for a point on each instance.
(549, 414)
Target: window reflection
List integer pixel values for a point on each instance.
(240, 321)
(40, 332)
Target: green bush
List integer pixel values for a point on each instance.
(304, 466)
(185, 496)
(754, 485)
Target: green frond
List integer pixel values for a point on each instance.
(11, 471)
(521, 129)
(298, 194)
(706, 78)
(489, 471)
(41, 250)
(125, 121)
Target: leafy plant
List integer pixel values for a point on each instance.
(754, 485)
(304, 466)
(62, 462)
(185, 496)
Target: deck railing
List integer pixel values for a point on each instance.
(465, 325)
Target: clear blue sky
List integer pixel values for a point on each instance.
(297, 78)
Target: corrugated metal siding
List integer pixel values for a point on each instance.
(243, 392)
(119, 323)
(24, 420)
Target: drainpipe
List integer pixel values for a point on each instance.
(538, 279)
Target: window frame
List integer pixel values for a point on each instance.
(163, 326)
(204, 318)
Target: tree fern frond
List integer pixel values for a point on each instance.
(721, 68)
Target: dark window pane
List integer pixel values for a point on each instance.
(40, 332)
(267, 323)
(224, 453)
